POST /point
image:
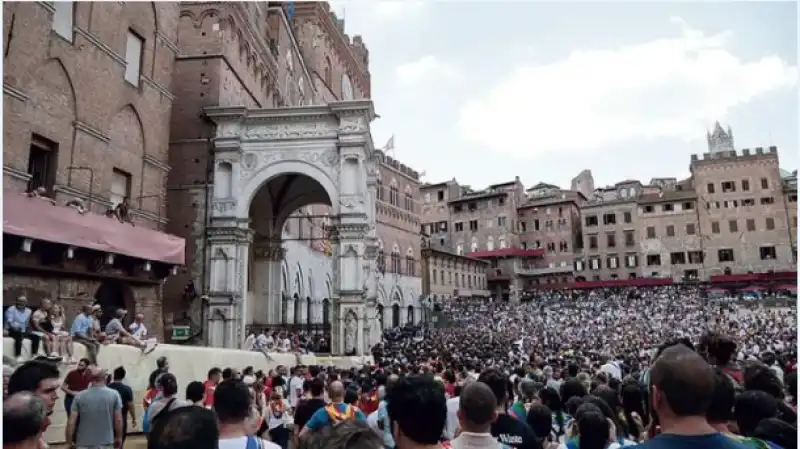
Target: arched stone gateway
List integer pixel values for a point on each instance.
(267, 164)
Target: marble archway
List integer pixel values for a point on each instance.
(269, 163)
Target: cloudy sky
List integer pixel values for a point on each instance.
(485, 91)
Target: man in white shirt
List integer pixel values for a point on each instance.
(611, 368)
(296, 386)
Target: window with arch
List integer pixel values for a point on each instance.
(460, 249)
(347, 88)
(433, 276)
(411, 263)
(473, 247)
(490, 243)
(381, 257)
(501, 242)
(394, 194)
(379, 189)
(327, 73)
(409, 199)
(394, 266)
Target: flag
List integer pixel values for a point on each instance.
(389, 145)
(289, 11)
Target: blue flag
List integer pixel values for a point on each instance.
(290, 10)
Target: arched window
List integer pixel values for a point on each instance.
(433, 276)
(394, 194)
(411, 263)
(395, 262)
(460, 249)
(326, 311)
(490, 243)
(474, 245)
(502, 242)
(379, 189)
(381, 257)
(409, 199)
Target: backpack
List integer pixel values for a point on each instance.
(336, 416)
(151, 421)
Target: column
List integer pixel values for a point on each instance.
(348, 273)
(268, 257)
(227, 281)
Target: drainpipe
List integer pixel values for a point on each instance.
(91, 182)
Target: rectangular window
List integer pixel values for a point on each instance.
(626, 217)
(612, 262)
(733, 226)
(591, 220)
(629, 239)
(592, 242)
(609, 219)
(668, 207)
(62, 19)
(767, 200)
(440, 197)
(764, 183)
(648, 209)
(695, 257)
(670, 231)
(536, 224)
(728, 186)
(715, 227)
(501, 222)
(120, 186)
(710, 187)
(595, 264)
(42, 164)
(611, 240)
(770, 224)
(651, 232)
(459, 226)
(751, 224)
(473, 225)
(725, 255)
(653, 260)
(688, 205)
(631, 261)
(523, 226)
(677, 258)
(745, 185)
(767, 253)
(133, 58)
(690, 230)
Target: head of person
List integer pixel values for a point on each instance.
(720, 410)
(593, 427)
(24, 416)
(185, 428)
(751, 407)
(96, 310)
(350, 434)
(682, 385)
(232, 402)
(83, 364)
(162, 363)
(477, 408)
(778, 432)
(119, 373)
(167, 384)
(195, 392)
(121, 313)
(21, 302)
(572, 387)
(758, 376)
(528, 390)
(215, 375)
(497, 381)
(717, 348)
(316, 387)
(38, 377)
(417, 410)
(336, 391)
(540, 419)
(47, 304)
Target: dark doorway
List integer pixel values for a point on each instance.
(326, 311)
(113, 295)
(396, 315)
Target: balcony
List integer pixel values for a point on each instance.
(468, 292)
(522, 270)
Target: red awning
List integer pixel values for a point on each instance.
(723, 278)
(754, 277)
(752, 288)
(787, 288)
(38, 219)
(637, 282)
(717, 290)
(508, 252)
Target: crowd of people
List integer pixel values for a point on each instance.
(47, 326)
(662, 368)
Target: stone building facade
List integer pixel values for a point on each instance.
(261, 55)
(436, 212)
(447, 275)
(87, 100)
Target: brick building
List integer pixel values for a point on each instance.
(447, 275)
(254, 54)
(86, 110)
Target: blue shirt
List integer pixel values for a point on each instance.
(321, 419)
(383, 417)
(18, 319)
(81, 325)
(710, 441)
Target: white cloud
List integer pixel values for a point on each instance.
(370, 11)
(427, 68)
(672, 87)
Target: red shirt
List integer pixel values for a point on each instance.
(208, 400)
(369, 404)
(76, 381)
(450, 389)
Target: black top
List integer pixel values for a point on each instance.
(126, 394)
(305, 409)
(515, 433)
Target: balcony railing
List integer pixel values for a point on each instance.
(533, 271)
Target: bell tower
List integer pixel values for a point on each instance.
(720, 140)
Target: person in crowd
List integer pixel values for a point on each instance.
(334, 412)
(162, 366)
(167, 384)
(116, 333)
(296, 385)
(720, 409)
(506, 429)
(233, 406)
(43, 328)
(213, 379)
(76, 381)
(307, 407)
(451, 426)
(540, 419)
(477, 410)
(682, 390)
(126, 396)
(17, 326)
(138, 331)
(528, 394)
(345, 435)
(24, 420)
(751, 407)
(97, 327)
(96, 418)
(776, 433)
(8, 370)
(417, 411)
(277, 415)
(196, 393)
(83, 332)
(62, 338)
(186, 428)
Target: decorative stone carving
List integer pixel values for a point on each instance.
(352, 124)
(223, 206)
(350, 331)
(291, 131)
(249, 161)
(229, 130)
